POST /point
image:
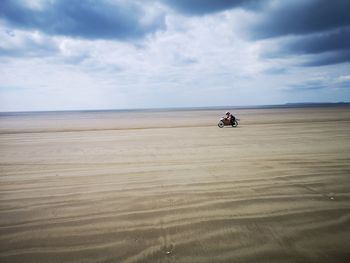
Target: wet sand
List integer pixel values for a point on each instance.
(173, 187)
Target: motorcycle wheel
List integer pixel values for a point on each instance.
(221, 124)
(235, 124)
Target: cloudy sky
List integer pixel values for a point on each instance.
(115, 54)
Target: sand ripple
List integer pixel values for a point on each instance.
(276, 189)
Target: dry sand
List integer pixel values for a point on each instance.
(173, 187)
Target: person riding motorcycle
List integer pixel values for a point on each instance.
(228, 120)
(230, 117)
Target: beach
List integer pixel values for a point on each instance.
(170, 186)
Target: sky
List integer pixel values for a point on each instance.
(122, 54)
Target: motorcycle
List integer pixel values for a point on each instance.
(227, 122)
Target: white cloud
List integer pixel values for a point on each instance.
(195, 61)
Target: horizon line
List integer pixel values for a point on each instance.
(181, 108)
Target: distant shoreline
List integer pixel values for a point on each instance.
(277, 106)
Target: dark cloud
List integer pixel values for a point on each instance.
(324, 48)
(329, 58)
(326, 41)
(320, 28)
(90, 19)
(331, 48)
(299, 17)
(201, 7)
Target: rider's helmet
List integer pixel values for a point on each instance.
(227, 113)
